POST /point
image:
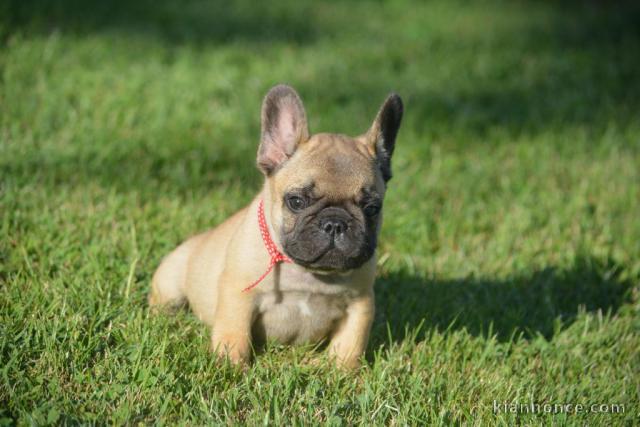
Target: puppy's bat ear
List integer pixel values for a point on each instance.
(383, 132)
(284, 126)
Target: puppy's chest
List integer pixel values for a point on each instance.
(299, 310)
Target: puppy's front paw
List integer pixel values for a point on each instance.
(236, 348)
(348, 363)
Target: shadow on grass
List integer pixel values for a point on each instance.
(573, 70)
(531, 305)
(174, 22)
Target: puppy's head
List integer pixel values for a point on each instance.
(326, 190)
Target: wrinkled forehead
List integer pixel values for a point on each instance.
(335, 166)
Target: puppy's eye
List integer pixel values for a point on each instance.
(371, 210)
(295, 203)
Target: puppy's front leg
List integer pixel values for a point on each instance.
(231, 335)
(350, 341)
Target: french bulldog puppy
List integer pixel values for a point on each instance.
(297, 265)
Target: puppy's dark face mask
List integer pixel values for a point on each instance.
(327, 234)
(326, 191)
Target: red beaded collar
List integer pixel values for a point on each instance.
(275, 255)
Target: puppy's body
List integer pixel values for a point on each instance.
(317, 202)
(291, 305)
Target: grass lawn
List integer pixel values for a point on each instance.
(510, 254)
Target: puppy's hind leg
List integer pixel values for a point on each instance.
(168, 283)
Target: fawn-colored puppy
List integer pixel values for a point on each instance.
(297, 265)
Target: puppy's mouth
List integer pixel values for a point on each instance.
(324, 262)
(312, 262)
(324, 270)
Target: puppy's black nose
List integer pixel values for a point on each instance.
(333, 226)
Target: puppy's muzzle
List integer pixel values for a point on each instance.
(333, 227)
(334, 223)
